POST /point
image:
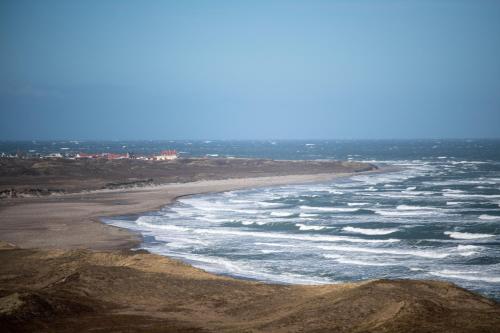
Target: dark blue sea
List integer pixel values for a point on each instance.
(437, 217)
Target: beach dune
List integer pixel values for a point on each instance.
(127, 291)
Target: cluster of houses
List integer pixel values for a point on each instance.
(109, 156)
(163, 156)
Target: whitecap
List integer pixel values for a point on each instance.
(366, 231)
(397, 213)
(489, 217)
(468, 250)
(330, 209)
(478, 181)
(307, 215)
(275, 244)
(485, 196)
(306, 227)
(183, 211)
(413, 194)
(211, 219)
(273, 235)
(455, 203)
(242, 211)
(468, 247)
(270, 204)
(408, 207)
(448, 190)
(466, 235)
(382, 178)
(246, 269)
(402, 252)
(355, 204)
(270, 251)
(402, 194)
(335, 192)
(416, 269)
(143, 223)
(238, 201)
(282, 214)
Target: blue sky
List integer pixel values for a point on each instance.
(249, 69)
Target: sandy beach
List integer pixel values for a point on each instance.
(63, 270)
(72, 220)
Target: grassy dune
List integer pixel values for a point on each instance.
(126, 291)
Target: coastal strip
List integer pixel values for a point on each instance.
(73, 220)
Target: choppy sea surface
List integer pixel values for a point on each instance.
(437, 217)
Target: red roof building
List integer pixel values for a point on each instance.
(168, 152)
(166, 155)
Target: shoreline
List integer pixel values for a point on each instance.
(74, 220)
(275, 181)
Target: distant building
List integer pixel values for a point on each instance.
(166, 155)
(83, 155)
(111, 156)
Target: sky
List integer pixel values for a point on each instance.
(349, 69)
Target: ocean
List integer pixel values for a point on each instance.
(436, 217)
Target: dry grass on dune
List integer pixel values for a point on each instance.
(42, 177)
(126, 291)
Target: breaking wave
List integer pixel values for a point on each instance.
(489, 217)
(366, 231)
(306, 227)
(330, 209)
(466, 235)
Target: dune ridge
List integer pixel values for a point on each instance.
(112, 291)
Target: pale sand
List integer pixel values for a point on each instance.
(72, 220)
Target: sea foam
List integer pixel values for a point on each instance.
(311, 238)
(306, 227)
(390, 251)
(330, 209)
(140, 221)
(282, 214)
(396, 213)
(366, 231)
(466, 235)
(489, 217)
